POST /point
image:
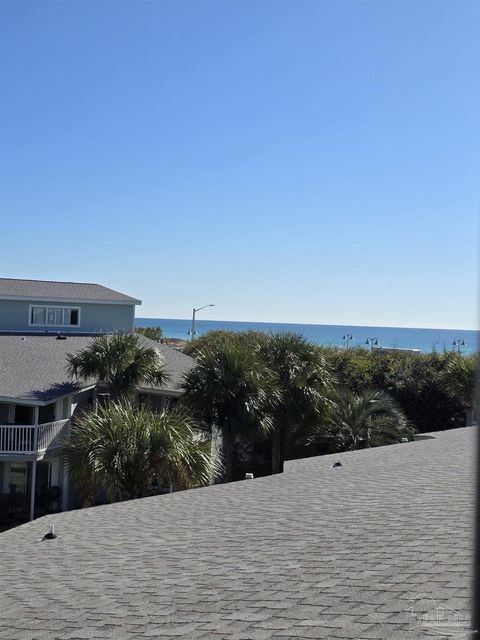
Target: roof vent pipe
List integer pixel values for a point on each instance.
(51, 533)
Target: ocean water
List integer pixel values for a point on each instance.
(426, 340)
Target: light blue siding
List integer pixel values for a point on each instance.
(14, 316)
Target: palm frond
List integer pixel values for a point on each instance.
(120, 361)
(124, 449)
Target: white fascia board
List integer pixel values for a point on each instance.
(160, 392)
(67, 301)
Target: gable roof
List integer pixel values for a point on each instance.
(32, 367)
(52, 291)
(367, 550)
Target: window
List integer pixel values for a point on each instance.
(38, 315)
(71, 316)
(53, 473)
(54, 316)
(46, 413)
(23, 414)
(18, 479)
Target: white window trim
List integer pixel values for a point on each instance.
(51, 306)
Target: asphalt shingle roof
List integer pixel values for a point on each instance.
(32, 367)
(373, 549)
(51, 290)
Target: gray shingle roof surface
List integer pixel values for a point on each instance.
(51, 290)
(32, 367)
(360, 552)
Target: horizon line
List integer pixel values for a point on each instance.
(312, 324)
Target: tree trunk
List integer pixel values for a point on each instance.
(228, 454)
(277, 448)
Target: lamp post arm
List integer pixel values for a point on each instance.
(193, 317)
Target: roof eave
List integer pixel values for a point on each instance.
(128, 301)
(42, 403)
(159, 391)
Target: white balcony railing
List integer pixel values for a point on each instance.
(51, 434)
(17, 439)
(32, 439)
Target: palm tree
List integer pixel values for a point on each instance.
(459, 382)
(125, 449)
(120, 361)
(231, 389)
(154, 333)
(370, 418)
(303, 378)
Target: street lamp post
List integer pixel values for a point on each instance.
(347, 338)
(192, 332)
(459, 343)
(373, 342)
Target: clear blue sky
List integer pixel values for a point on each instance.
(286, 160)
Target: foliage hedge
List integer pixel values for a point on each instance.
(419, 382)
(434, 391)
(425, 385)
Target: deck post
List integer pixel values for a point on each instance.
(34, 465)
(32, 489)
